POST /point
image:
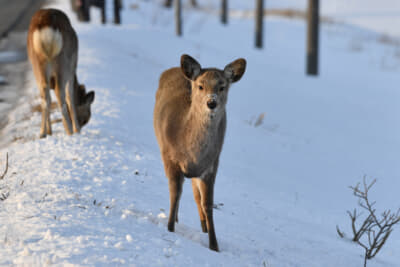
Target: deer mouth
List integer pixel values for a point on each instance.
(213, 114)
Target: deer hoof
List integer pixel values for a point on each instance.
(171, 227)
(214, 247)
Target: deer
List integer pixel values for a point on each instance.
(189, 122)
(52, 46)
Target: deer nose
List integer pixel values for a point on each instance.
(211, 103)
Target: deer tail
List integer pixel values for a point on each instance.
(47, 42)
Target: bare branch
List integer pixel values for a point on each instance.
(374, 231)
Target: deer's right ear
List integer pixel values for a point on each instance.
(89, 98)
(190, 67)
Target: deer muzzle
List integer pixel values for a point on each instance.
(212, 101)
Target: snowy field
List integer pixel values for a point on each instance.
(382, 16)
(101, 198)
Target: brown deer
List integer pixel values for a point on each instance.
(53, 52)
(189, 123)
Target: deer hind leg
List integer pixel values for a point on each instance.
(60, 93)
(206, 188)
(197, 198)
(69, 89)
(175, 182)
(48, 121)
(45, 105)
(41, 71)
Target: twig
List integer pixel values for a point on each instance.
(4, 196)
(5, 171)
(340, 233)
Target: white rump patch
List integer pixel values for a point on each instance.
(48, 42)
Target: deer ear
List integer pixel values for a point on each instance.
(190, 67)
(235, 70)
(89, 98)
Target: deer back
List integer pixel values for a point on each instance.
(51, 39)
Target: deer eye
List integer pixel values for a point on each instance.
(200, 87)
(222, 89)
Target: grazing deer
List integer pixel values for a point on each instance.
(53, 53)
(189, 123)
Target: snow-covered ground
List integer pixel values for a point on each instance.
(101, 198)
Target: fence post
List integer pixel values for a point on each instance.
(312, 37)
(168, 3)
(224, 12)
(259, 23)
(117, 10)
(178, 17)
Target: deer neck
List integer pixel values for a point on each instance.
(201, 127)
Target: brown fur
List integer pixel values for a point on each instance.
(53, 52)
(190, 131)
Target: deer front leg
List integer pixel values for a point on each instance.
(206, 187)
(49, 131)
(60, 94)
(175, 182)
(197, 198)
(71, 106)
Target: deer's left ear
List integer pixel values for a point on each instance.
(235, 70)
(89, 98)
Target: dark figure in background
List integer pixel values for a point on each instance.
(168, 3)
(82, 8)
(117, 8)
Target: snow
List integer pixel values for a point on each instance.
(380, 16)
(11, 56)
(100, 198)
